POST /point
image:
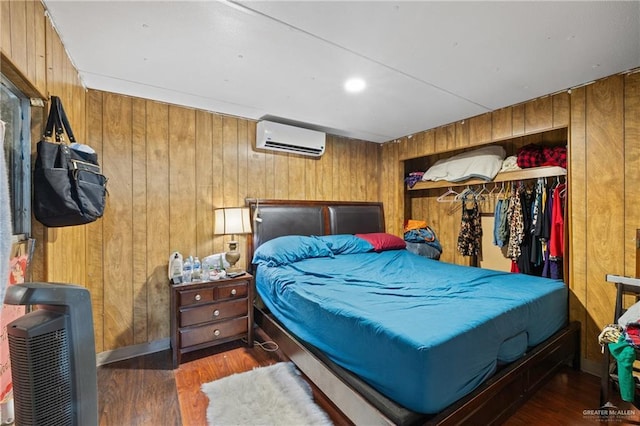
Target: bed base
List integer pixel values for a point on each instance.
(491, 403)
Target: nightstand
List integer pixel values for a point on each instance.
(208, 313)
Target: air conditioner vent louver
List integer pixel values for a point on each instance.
(284, 138)
(288, 147)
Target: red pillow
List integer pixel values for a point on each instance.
(382, 241)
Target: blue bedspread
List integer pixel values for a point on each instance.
(422, 332)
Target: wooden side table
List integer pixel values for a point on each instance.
(208, 313)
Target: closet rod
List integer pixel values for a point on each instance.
(523, 174)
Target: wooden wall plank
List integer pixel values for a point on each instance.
(95, 244)
(204, 184)
(39, 29)
(462, 134)
(339, 172)
(310, 182)
(30, 41)
(480, 129)
(281, 175)
(445, 138)
(243, 177)
(217, 165)
(257, 187)
(412, 145)
(19, 48)
(372, 162)
(351, 161)
(139, 221)
(561, 109)
(230, 161)
(158, 202)
(427, 143)
(182, 178)
(5, 27)
(517, 120)
(538, 114)
(501, 126)
(326, 172)
(605, 198)
(358, 150)
(297, 174)
(631, 169)
(243, 158)
(117, 222)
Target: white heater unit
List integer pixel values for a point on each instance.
(284, 138)
(53, 358)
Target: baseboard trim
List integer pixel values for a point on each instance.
(592, 367)
(128, 352)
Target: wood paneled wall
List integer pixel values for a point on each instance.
(33, 57)
(511, 127)
(168, 168)
(604, 171)
(445, 217)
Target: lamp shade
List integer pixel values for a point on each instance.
(232, 220)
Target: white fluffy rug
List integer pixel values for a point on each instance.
(273, 395)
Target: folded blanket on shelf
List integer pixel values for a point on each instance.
(483, 163)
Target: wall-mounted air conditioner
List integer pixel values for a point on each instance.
(281, 137)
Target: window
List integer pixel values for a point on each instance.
(15, 112)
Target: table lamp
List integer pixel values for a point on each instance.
(232, 221)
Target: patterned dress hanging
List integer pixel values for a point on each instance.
(470, 236)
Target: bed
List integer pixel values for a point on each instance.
(393, 337)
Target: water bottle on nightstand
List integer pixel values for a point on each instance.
(187, 270)
(197, 269)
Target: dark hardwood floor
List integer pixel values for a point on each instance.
(147, 391)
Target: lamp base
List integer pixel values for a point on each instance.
(233, 256)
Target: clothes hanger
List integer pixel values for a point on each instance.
(493, 190)
(463, 194)
(443, 197)
(479, 195)
(563, 190)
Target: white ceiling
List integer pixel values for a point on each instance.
(425, 63)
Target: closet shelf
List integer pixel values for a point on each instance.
(530, 173)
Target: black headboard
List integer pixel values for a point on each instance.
(275, 218)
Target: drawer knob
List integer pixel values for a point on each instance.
(198, 297)
(216, 332)
(216, 313)
(233, 292)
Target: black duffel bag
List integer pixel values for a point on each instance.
(68, 186)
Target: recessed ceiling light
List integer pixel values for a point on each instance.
(354, 85)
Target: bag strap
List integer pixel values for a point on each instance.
(65, 122)
(53, 120)
(58, 122)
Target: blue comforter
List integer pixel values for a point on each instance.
(422, 332)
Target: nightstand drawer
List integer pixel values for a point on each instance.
(216, 331)
(213, 312)
(192, 297)
(232, 290)
(210, 313)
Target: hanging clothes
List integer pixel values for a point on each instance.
(503, 231)
(541, 227)
(470, 236)
(516, 224)
(497, 219)
(556, 243)
(524, 259)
